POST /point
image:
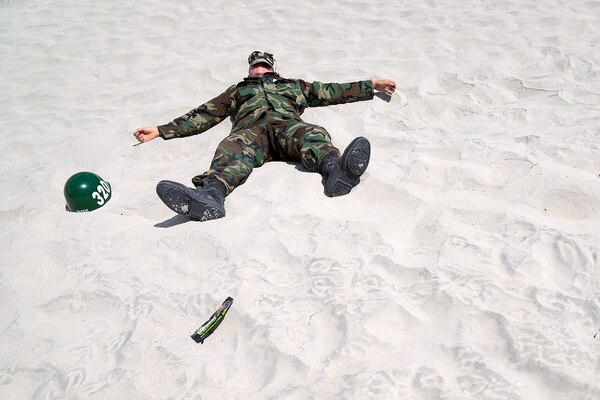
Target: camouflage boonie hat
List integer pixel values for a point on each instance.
(257, 57)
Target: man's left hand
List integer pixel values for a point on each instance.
(387, 86)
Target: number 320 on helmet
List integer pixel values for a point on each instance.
(86, 191)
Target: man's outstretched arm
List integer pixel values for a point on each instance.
(320, 94)
(194, 122)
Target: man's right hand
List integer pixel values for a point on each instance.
(145, 134)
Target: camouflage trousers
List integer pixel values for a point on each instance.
(272, 138)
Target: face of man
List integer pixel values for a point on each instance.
(258, 70)
(260, 63)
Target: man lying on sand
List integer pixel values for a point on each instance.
(265, 109)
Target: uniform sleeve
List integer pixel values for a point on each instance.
(325, 94)
(200, 119)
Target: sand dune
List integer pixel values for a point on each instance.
(464, 266)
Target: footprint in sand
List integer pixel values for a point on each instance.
(429, 382)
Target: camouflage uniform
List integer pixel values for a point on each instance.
(266, 124)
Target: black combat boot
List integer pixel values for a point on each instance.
(341, 174)
(203, 203)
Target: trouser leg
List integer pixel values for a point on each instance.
(236, 156)
(312, 144)
(299, 140)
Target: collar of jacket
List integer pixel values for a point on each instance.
(274, 75)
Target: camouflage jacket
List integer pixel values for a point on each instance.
(250, 99)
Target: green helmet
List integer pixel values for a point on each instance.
(86, 191)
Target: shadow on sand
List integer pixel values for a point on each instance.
(173, 221)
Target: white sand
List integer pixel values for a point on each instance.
(465, 265)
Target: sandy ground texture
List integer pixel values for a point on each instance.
(464, 266)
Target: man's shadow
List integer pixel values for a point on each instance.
(383, 96)
(177, 219)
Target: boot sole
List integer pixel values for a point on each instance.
(354, 163)
(187, 201)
